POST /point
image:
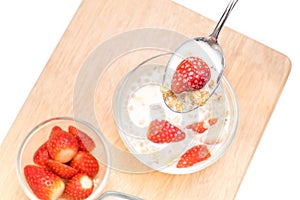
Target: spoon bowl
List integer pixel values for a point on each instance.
(209, 50)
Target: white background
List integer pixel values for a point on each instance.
(30, 30)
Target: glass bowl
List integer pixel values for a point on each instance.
(39, 134)
(114, 195)
(138, 100)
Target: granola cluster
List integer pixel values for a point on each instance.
(191, 99)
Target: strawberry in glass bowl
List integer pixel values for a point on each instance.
(63, 158)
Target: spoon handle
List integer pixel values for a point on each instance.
(214, 35)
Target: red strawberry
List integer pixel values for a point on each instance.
(41, 155)
(60, 169)
(193, 155)
(43, 183)
(199, 127)
(162, 131)
(62, 146)
(190, 75)
(86, 163)
(85, 143)
(79, 187)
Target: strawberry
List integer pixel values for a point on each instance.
(190, 75)
(200, 127)
(85, 143)
(86, 163)
(79, 187)
(41, 155)
(162, 131)
(62, 146)
(61, 169)
(193, 155)
(43, 183)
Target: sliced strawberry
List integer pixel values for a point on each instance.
(162, 131)
(212, 121)
(190, 75)
(43, 183)
(62, 146)
(192, 156)
(41, 155)
(200, 127)
(86, 163)
(61, 169)
(79, 187)
(85, 142)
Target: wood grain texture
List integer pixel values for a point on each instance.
(256, 72)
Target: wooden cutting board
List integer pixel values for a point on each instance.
(256, 72)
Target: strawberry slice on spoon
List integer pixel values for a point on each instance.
(191, 74)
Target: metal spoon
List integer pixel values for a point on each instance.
(209, 50)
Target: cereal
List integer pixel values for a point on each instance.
(179, 102)
(171, 99)
(211, 84)
(201, 97)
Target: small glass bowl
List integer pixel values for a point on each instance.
(138, 100)
(40, 134)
